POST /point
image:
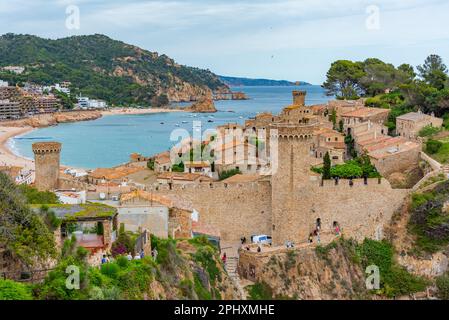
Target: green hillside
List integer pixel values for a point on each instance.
(104, 68)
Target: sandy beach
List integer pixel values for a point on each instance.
(120, 111)
(7, 158)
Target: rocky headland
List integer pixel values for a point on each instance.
(204, 105)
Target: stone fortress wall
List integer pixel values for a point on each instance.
(247, 209)
(235, 210)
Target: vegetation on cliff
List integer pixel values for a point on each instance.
(23, 233)
(429, 220)
(334, 271)
(100, 67)
(184, 269)
(400, 89)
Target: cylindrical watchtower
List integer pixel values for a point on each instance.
(299, 98)
(46, 160)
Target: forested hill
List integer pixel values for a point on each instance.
(103, 68)
(235, 81)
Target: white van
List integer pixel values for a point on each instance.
(263, 238)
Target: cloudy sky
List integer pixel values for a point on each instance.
(278, 39)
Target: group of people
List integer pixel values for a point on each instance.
(289, 244)
(108, 258)
(138, 256)
(316, 234)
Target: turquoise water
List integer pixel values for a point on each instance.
(110, 140)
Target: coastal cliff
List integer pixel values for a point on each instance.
(45, 120)
(114, 71)
(204, 105)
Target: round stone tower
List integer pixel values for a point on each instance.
(46, 160)
(299, 98)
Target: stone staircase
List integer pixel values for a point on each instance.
(231, 269)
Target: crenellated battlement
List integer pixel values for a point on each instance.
(46, 147)
(352, 183)
(299, 97)
(293, 131)
(211, 186)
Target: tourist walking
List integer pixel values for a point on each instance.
(310, 238)
(224, 258)
(154, 254)
(104, 259)
(142, 254)
(129, 256)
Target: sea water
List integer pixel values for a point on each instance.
(109, 141)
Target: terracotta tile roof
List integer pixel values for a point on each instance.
(370, 141)
(364, 112)
(393, 150)
(163, 158)
(413, 116)
(12, 171)
(197, 164)
(181, 176)
(386, 143)
(114, 173)
(240, 178)
(164, 200)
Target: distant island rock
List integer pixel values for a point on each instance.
(242, 82)
(239, 95)
(203, 105)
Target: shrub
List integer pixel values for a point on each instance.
(395, 280)
(433, 146)
(347, 170)
(260, 291)
(227, 174)
(428, 131)
(205, 257)
(150, 164)
(10, 290)
(110, 269)
(34, 196)
(178, 167)
(428, 221)
(442, 283)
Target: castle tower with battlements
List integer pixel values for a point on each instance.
(47, 161)
(299, 98)
(290, 179)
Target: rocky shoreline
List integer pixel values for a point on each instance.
(51, 119)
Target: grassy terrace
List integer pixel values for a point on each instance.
(79, 211)
(442, 155)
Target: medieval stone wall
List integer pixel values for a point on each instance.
(361, 210)
(235, 209)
